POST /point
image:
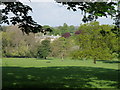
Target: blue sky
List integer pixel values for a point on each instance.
(48, 12)
(53, 14)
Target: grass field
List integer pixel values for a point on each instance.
(55, 73)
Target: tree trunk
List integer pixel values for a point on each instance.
(94, 61)
(45, 58)
(62, 56)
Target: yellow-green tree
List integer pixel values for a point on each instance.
(92, 44)
(61, 47)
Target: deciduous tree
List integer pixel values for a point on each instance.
(91, 11)
(44, 49)
(92, 44)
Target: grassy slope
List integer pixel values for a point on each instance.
(32, 62)
(21, 72)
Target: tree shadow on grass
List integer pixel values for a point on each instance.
(59, 77)
(109, 61)
(44, 59)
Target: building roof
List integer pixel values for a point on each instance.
(66, 35)
(78, 32)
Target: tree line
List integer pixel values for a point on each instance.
(94, 41)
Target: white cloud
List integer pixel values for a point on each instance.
(2, 6)
(54, 15)
(36, 0)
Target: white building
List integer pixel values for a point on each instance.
(43, 37)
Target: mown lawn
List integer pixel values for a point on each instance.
(55, 73)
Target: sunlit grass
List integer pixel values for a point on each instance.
(51, 62)
(57, 73)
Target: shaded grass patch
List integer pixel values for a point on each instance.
(57, 73)
(59, 77)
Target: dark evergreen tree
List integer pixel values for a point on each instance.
(44, 49)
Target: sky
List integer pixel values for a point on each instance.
(48, 12)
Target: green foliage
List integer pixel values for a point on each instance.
(14, 43)
(61, 29)
(77, 54)
(61, 47)
(58, 47)
(20, 17)
(3, 28)
(92, 10)
(94, 44)
(44, 49)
